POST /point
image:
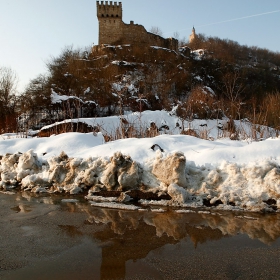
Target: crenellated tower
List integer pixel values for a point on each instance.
(106, 10)
(113, 31)
(109, 15)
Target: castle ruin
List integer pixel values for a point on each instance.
(113, 31)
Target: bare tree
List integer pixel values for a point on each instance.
(233, 85)
(176, 35)
(156, 30)
(8, 88)
(8, 85)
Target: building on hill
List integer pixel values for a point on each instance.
(192, 36)
(113, 31)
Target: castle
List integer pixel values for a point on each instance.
(113, 31)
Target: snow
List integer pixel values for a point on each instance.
(198, 78)
(101, 198)
(71, 143)
(161, 48)
(213, 129)
(123, 63)
(69, 200)
(228, 175)
(205, 89)
(114, 205)
(160, 210)
(56, 98)
(183, 211)
(198, 54)
(87, 90)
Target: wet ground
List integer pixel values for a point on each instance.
(48, 238)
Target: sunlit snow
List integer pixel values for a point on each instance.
(230, 175)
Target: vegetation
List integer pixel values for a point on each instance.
(8, 99)
(217, 78)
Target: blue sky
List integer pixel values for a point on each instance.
(32, 31)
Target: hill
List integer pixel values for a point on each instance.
(209, 78)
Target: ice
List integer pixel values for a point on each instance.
(114, 205)
(69, 200)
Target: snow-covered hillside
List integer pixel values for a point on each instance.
(151, 123)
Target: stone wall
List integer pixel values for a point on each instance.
(137, 34)
(112, 30)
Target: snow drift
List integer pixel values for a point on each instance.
(188, 172)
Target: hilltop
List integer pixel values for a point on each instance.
(209, 78)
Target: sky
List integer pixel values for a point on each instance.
(34, 31)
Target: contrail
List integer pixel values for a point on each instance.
(229, 20)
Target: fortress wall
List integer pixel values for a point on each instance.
(137, 34)
(112, 30)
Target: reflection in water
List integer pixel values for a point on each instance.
(131, 235)
(21, 208)
(199, 227)
(71, 230)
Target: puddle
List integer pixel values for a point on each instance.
(78, 241)
(22, 209)
(71, 231)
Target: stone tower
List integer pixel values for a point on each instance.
(192, 36)
(113, 31)
(110, 21)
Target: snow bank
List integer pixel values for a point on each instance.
(139, 124)
(230, 175)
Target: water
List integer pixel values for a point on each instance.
(44, 238)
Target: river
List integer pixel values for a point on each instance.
(46, 237)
